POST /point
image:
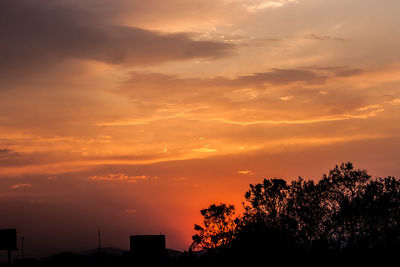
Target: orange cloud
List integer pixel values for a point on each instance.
(118, 177)
(130, 211)
(247, 172)
(21, 186)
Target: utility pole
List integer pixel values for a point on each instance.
(22, 247)
(99, 235)
(9, 257)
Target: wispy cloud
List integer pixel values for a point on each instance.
(257, 5)
(130, 211)
(21, 186)
(246, 172)
(286, 98)
(204, 150)
(318, 37)
(360, 113)
(118, 177)
(369, 114)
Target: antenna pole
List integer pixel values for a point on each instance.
(22, 247)
(9, 257)
(99, 240)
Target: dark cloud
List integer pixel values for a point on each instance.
(348, 72)
(7, 154)
(284, 76)
(147, 85)
(34, 35)
(324, 38)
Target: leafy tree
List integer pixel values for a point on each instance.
(265, 224)
(346, 210)
(340, 190)
(305, 208)
(218, 227)
(266, 201)
(378, 215)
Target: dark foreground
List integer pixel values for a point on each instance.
(345, 218)
(387, 257)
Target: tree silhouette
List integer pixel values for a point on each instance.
(306, 208)
(267, 201)
(340, 191)
(346, 210)
(218, 227)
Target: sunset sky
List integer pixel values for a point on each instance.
(131, 116)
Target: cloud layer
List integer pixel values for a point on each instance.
(35, 35)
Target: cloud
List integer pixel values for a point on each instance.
(285, 76)
(130, 211)
(21, 186)
(38, 34)
(6, 153)
(369, 114)
(318, 37)
(255, 6)
(181, 178)
(43, 201)
(286, 98)
(148, 85)
(204, 150)
(117, 177)
(395, 101)
(246, 172)
(261, 98)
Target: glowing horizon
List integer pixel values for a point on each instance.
(135, 115)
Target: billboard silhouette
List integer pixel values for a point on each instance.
(8, 239)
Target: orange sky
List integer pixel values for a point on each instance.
(133, 115)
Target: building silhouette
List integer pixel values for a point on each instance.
(148, 248)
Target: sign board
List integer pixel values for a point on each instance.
(8, 239)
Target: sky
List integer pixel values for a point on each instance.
(131, 116)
